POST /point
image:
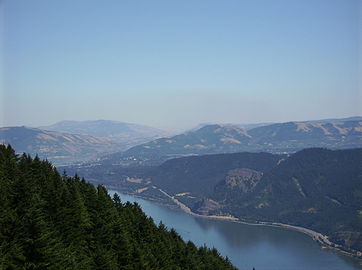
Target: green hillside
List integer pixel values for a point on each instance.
(49, 221)
(315, 188)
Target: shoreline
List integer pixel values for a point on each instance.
(321, 239)
(316, 236)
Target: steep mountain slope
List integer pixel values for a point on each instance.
(276, 138)
(200, 174)
(124, 133)
(49, 221)
(55, 146)
(316, 188)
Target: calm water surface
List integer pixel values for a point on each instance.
(265, 248)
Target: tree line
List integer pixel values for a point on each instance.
(50, 220)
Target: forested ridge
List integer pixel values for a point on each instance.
(316, 188)
(53, 221)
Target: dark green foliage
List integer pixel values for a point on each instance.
(49, 221)
(316, 188)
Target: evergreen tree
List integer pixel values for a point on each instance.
(48, 221)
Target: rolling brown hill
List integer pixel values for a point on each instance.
(58, 147)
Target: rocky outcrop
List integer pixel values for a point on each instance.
(243, 178)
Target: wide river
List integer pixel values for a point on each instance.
(247, 246)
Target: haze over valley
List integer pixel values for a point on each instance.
(131, 144)
(186, 134)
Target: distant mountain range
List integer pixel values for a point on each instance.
(75, 141)
(255, 125)
(123, 133)
(56, 146)
(275, 138)
(133, 145)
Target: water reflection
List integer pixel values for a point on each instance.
(238, 235)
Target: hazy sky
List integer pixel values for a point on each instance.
(177, 63)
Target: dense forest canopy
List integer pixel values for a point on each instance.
(53, 221)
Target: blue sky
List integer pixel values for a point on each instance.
(175, 63)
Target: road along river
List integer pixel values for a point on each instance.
(248, 246)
